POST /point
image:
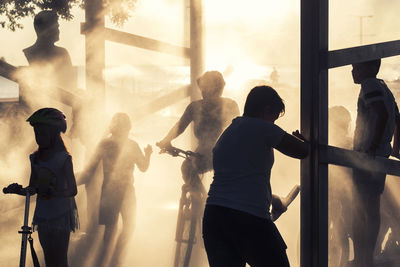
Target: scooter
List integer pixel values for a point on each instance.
(26, 230)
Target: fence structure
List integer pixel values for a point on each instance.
(96, 34)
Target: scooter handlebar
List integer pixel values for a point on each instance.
(15, 188)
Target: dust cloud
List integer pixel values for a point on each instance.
(244, 41)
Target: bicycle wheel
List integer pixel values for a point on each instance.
(185, 232)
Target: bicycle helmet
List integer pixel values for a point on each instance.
(212, 83)
(49, 116)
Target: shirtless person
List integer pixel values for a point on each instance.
(210, 116)
(119, 155)
(51, 61)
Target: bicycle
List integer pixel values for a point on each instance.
(191, 205)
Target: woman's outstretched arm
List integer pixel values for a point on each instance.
(293, 146)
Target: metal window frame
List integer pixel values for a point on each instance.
(316, 60)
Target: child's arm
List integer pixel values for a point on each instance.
(143, 161)
(378, 108)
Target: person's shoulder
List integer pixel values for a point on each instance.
(228, 101)
(254, 121)
(63, 153)
(62, 156)
(372, 84)
(196, 103)
(105, 143)
(132, 143)
(60, 51)
(29, 50)
(258, 126)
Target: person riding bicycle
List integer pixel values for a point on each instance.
(210, 116)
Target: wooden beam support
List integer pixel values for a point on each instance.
(8, 71)
(350, 158)
(343, 57)
(145, 43)
(161, 103)
(59, 94)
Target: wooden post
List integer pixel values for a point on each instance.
(95, 50)
(196, 54)
(314, 126)
(196, 46)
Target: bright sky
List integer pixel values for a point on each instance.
(229, 24)
(236, 31)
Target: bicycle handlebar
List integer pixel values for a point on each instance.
(177, 152)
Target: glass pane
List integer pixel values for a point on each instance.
(347, 206)
(342, 112)
(340, 245)
(360, 22)
(283, 180)
(343, 94)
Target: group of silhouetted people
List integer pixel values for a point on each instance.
(237, 224)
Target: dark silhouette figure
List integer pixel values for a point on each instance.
(51, 74)
(377, 118)
(340, 190)
(274, 76)
(237, 224)
(51, 64)
(118, 155)
(210, 116)
(52, 177)
(50, 67)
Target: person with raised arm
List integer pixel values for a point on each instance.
(237, 224)
(210, 116)
(119, 155)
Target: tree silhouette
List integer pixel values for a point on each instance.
(12, 11)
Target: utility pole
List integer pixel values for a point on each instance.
(361, 27)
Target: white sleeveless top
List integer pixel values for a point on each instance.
(56, 212)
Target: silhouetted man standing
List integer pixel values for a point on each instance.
(53, 62)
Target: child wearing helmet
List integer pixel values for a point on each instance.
(53, 179)
(118, 155)
(210, 116)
